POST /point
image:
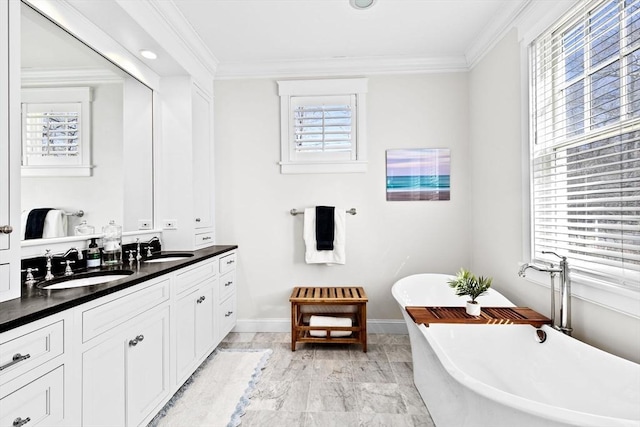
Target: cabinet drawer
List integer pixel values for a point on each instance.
(115, 312)
(41, 402)
(227, 319)
(204, 239)
(227, 263)
(194, 275)
(25, 352)
(227, 285)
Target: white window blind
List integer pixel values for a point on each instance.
(585, 153)
(324, 125)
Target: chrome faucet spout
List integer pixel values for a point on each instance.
(71, 251)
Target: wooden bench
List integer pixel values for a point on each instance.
(327, 299)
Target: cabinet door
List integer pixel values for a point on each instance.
(194, 328)
(147, 353)
(9, 150)
(202, 159)
(103, 384)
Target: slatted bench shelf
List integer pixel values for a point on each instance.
(488, 315)
(328, 298)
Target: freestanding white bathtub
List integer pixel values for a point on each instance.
(500, 375)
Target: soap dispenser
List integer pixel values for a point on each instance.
(93, 254)
(112, 244)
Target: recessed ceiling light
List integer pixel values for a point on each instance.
(361, 4)
(148, 54)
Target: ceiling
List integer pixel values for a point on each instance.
(259, 38)
(243, 34)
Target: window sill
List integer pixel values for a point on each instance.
(622, 300)
(36, 171)
(318, 167)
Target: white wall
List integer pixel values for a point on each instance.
(497, 201)
(385, 240)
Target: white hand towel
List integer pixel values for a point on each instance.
(314, 256)
(55, 224)
(330, 321)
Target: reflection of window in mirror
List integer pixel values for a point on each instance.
(56, 129)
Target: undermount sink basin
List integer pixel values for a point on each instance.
(168, 257)
(84, 279)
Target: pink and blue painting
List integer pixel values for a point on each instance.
(419, 174)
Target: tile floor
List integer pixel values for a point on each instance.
(328, 385)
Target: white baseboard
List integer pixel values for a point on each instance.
(374, 326)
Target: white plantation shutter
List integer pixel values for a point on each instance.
(324, 125)
(51, 134)
(585, 153)
(56, 131)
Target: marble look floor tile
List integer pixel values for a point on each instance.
(380, 398)
(331, 419)
(332, 351)
(269, 337)
(372, 372)
(413, 401)
(332, 370)
(239, 337)
(403, 372)
(293, 370)
(374, 352)
(388, 339)
(264, 418)
(280, 396)
(385, 420)
(398, 352)
(422, 421)
(332, 397)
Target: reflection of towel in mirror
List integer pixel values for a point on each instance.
(329, 257)
(44, 223)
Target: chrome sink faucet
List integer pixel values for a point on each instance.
(565, 290)
(149, 242)
(48, 255)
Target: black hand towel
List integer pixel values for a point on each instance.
(325, 228)
(35, 223)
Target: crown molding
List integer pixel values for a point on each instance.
(67, 76)
(495, 31)
(340, 67)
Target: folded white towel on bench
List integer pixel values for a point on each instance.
(330, 321)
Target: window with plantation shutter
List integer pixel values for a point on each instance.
(55, 131)
(585, 134)
(322, 125)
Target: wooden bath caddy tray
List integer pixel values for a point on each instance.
(488, 316)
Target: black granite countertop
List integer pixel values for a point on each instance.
(36, 304)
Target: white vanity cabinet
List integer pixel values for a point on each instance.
(9, 150)
(125, 356)
(34, 366)
(227, 294)
(194, 318)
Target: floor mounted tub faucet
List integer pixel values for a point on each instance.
(565, 290)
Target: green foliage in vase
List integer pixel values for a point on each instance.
(466, 283)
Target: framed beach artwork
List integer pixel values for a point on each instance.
(419, 174)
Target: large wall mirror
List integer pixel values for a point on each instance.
(116, 181)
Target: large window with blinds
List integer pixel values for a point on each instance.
(585, 141)
(322, 125)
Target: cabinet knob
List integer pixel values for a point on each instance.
(197, 219)
(20, 422)
(201, 299)
(6, 229)
(228, 284)
(134, 342)
(228, 313)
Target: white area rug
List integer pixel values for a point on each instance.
(217, 393)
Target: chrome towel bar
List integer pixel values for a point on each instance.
(295, 212)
